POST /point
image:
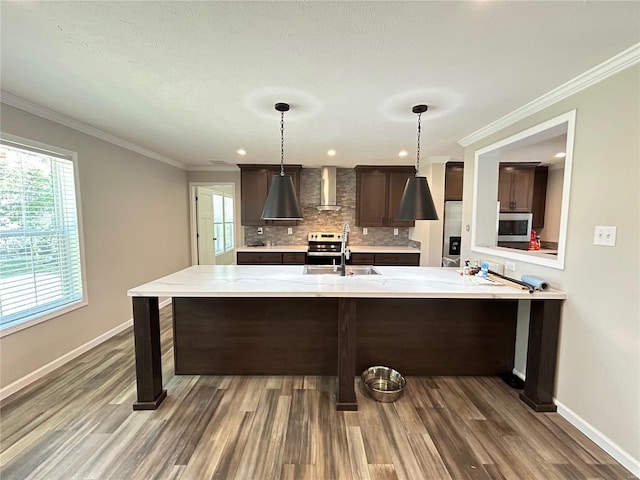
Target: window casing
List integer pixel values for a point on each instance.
(42, 271)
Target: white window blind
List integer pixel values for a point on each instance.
(40, 260)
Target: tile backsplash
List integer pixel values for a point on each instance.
(328, 221)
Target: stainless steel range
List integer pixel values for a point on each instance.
(324, 248)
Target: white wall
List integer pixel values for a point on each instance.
(135, 219)
(598, 379)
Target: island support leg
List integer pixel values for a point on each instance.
(346, 354)
(542, 355)
(146, 333)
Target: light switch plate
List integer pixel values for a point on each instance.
(259, 230)
(396, 231)
(365, 231)
(289, 231)
(604, 236)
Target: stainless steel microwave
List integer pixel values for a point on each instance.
(514, 227)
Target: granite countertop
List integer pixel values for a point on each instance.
(289, 281)
(353, 248)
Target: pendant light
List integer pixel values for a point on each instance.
(282, 203)
(416, 202)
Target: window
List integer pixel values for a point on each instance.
(223, 223)
(41, 268)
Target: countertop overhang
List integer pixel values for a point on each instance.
(289, 281)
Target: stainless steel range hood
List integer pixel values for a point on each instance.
(328, 190)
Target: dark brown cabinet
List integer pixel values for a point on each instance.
(255, 182)
(515, 187)
(539, 197)
(362, 258)
(389, 259)
(378, 194)
(293, 258)
(270, 258)
(259, 258)
(453, 181)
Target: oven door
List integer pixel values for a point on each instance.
(323, 258)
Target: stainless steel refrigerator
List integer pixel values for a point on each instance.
(452, 234)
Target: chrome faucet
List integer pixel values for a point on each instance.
(345, 253)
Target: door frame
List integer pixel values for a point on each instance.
(193, 220)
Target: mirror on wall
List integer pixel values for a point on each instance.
(521, 194)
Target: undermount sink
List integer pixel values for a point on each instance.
(331, 270)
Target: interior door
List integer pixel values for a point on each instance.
(206, 237)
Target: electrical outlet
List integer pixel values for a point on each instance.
(259, 230)
(289, 231)
(495, 267)
(509, 266)
(396, 231)
(604, 236)
(365, 231)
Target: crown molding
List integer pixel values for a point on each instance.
(27, 106)
(619, 62)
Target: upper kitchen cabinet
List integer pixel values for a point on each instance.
(515, 187)
(453, 178)
(255, 183)
(378, 194)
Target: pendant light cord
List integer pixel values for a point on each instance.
(418, 149)
(282, 144)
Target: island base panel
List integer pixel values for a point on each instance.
(255, 336)
(424, 337)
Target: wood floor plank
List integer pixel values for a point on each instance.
(456, 454)
(78, 423)
(359, 467)
(303, 428)
(253, 461)
(376, 445)
(378, 471)
(405, 463)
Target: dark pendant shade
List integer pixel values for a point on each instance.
(282, 203)
(417, 203)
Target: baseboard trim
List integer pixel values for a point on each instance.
(595, 435)
(67, 357)
(600, 439)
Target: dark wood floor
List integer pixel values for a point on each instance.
(77, 423)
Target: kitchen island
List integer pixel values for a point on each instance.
(274, 320)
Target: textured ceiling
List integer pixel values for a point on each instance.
(196, 81)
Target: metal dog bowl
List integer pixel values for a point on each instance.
(383, 384)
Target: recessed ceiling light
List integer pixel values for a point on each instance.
(403, 153)
(331, 153)
(560, 155)
(242, 151)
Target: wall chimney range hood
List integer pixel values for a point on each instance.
(328, 190)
